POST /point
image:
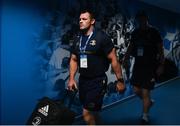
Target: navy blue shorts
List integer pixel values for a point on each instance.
(143, 77)
(91, 92)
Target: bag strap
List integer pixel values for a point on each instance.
(69, 93)
(72, 98)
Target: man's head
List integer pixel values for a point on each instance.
(142, 19)
(86, 20)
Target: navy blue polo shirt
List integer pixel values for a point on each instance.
(148, 40)
(98, 47)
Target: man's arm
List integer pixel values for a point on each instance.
(160, 53)
(160, 50)
(128, 52)
(127, 55)
(117, 70)
(161, 59)
(72, 72)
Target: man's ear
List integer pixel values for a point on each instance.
(93, 21)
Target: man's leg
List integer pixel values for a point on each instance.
(93, 100)
(146, 105)
(138, 91)
(91, 118)
(144, 95)
(146, 100)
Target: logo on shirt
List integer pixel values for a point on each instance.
(93, 42)
(44, 110)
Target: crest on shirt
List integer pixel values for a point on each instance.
(93, 42)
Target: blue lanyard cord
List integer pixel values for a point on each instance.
(83, 49)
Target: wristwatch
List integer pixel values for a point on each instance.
(121, 80)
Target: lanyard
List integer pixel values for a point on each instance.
(83, 49)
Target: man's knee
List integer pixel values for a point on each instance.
(146, 93)
(88, 117)
(137, 90)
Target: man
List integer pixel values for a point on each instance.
(91, 54)
(147, 48)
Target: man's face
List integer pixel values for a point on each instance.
(142, 21)
(85, 21)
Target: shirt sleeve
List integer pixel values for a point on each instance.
(74, 47)
(157, 36)
(107, 44)
(132, 41)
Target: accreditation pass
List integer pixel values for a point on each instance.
(83, 61)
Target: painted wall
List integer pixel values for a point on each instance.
(31, 38)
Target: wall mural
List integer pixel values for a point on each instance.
(52, 45)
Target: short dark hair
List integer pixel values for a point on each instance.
(140, 14)
(92, 15)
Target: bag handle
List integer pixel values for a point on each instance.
(68, 93)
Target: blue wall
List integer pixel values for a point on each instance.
(20, 86)
(19, 90)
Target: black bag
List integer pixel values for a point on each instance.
(50, 112)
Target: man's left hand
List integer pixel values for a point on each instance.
(120, 87)
(160, 70)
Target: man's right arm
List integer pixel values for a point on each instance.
(129, 49)
(72, 72)
(127, 55)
